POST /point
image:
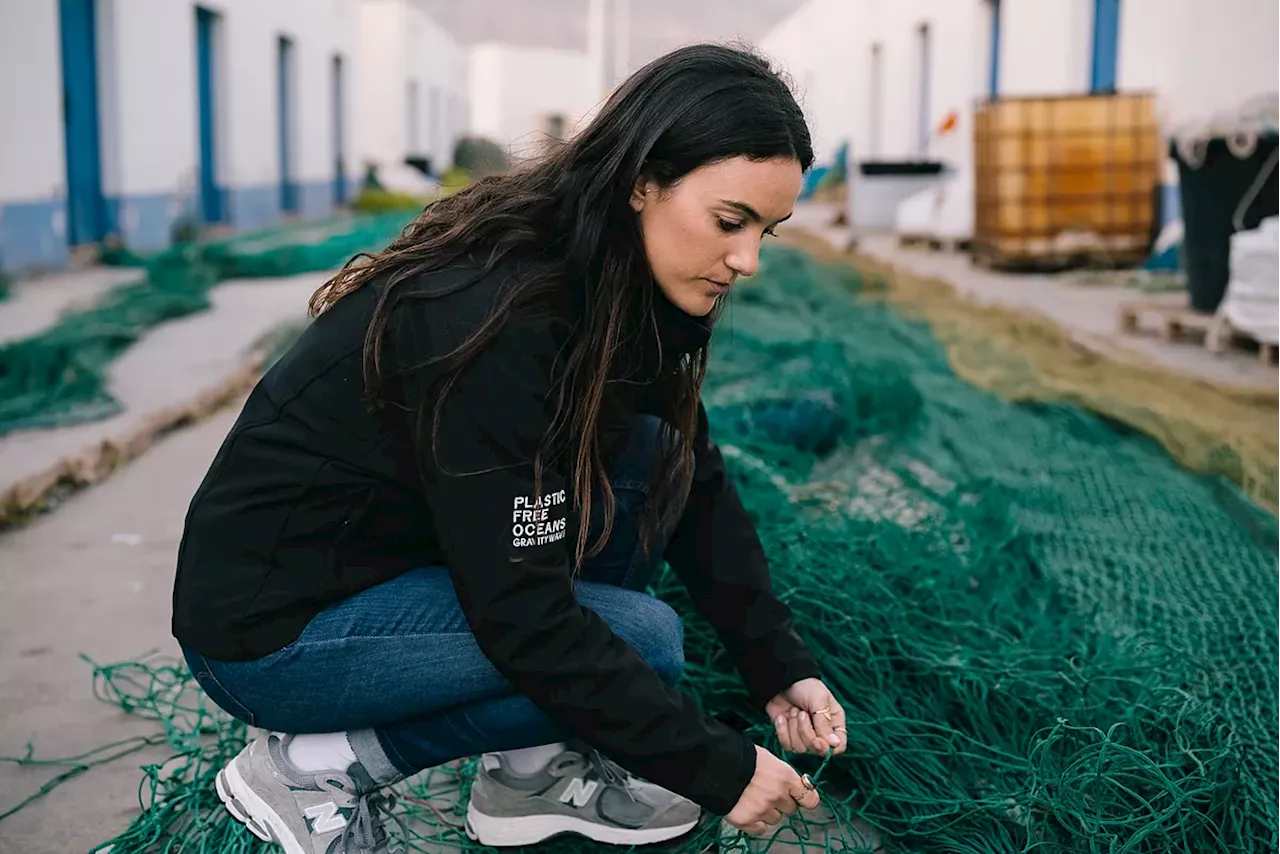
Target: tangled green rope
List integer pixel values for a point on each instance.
(59, 377)
(1047, 637)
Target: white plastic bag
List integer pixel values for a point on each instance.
(1252, 301)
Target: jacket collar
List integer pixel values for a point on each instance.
(680, 333)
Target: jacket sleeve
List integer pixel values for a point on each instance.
(717, 554)
(508, 551)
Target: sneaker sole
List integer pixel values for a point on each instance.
(237, 810)
(253, 812)
(531, 829)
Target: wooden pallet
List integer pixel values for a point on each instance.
(1176, 321)
(934, 243)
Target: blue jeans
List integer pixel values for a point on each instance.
(398, 665)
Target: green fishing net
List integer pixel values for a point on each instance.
(59, 377)
(1046, 634)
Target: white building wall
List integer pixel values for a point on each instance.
(400, 44)
(1046, 46)
(247, 121)
(149, 105)
(32, 164)
(31, 159)
(148, 113)
(380, 81)
(1195, 59)
(514, 90)
(439, 64)
(825, 49)
(146, 87)
(1198, 61)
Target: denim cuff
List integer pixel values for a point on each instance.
(377, 763)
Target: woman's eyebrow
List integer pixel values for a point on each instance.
(749, 212)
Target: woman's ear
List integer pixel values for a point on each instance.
(640, 193)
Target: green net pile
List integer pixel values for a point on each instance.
(1046, 634)
(59, 377)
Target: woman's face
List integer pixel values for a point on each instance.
(703, 233)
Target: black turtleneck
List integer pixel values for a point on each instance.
(315, 497)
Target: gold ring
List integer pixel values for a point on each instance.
(824, 712)
(807, 782)
(841, 729)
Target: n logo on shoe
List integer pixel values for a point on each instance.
(324, 818)
(579, 792)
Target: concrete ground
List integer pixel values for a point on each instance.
(1089, 309)
(35, 303)
(170, 364)
(95, 577)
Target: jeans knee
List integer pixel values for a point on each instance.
(662, 644)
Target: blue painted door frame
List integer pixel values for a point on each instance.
(993, 81)
(284, 104)
(339, 149)
(1106, 45)
(206, 87)
(86, 206)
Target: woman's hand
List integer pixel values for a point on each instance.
(775, 790)
(808, 719)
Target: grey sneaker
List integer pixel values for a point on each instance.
(579, 792)
(304, 813)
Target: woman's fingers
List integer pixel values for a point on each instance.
(839, 727)
(798, 742)
(808, 736)
(781, 725)
(804, 796)
(825, 736)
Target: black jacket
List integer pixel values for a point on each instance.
(314, 496)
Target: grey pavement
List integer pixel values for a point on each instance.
(95, 577)
(36, 303)
(171, 364)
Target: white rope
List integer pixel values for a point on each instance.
(1240, 128)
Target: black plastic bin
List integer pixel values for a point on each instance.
(1210, 195)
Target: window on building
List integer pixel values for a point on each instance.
(412, 140)
(434, 122)
(875, 101)
(923, 124)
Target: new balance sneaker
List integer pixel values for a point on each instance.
(304, 813)
(579, 792)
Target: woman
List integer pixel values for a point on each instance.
(429, 532)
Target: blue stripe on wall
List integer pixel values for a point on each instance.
(144, 223)
(86, 206)
(993, 82)
(315, 199)
(250, 208)
(1106, 44)
(33, 235)
(211, 196)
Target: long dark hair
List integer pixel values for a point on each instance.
(568, 215)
